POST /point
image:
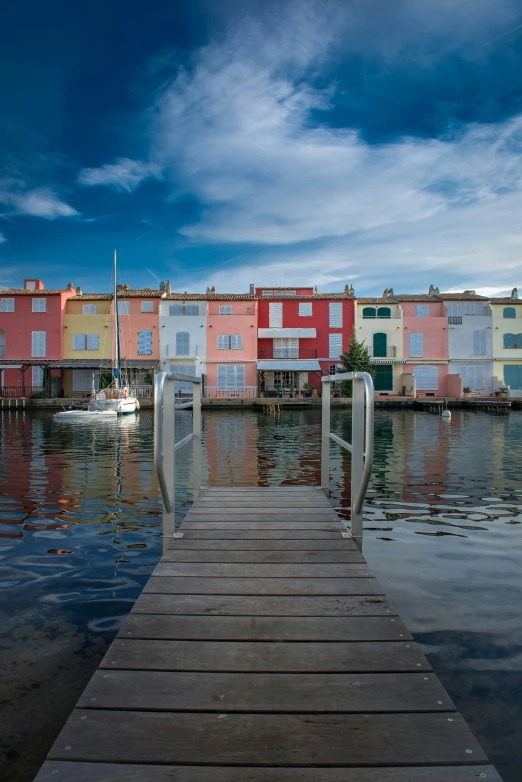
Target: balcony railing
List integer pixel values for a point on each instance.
(20, 391)
(2, 351)
(142, 392)
(191, 352)
(288, 353)
(214, 392)
(388, 352)
(455, 320)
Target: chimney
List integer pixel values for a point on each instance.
(33, 285)
(514, 293)
(78, 291)
(70, 287)
(168, 288)
(252, 289)
(213, 289)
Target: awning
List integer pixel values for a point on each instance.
(291, 366)
(286, 333)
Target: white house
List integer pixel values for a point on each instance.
(183, 335)
(470, 340)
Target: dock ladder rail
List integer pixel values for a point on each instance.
(165, 445)
(361, 447)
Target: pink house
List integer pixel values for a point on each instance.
(138, 312)
(231, 359)
(31, 337)
(425, 330)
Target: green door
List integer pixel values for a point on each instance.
(383, 379)
(380, 345)
(513, 375)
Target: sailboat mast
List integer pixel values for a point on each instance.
(117, 362)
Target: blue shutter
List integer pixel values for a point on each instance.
(144, 343)
(79, 342)
(479, 343)
(509, 340)
(182, 343)
(223, 342)
(416, 345)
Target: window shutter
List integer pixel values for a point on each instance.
(182, 343)
(335, 345)
(147, 306)
(144, 343)
(7, 305)
(416, 345)
(225, 309)
(469, 308)
(275, 315)
(185, 369)
(336, 315)
(236, 342)
(509, 340)
(82, 379)
(427, 378)
(124, 308)
(39, 305)
(93, 342)
(176, 309)
(240, 376)
(191, 309)
(38, 343)
(89, 309)
(510, 312)
(305, 309)
(223, 342)
(479, 343)
(422, 310)
(79, 342)
(369, 312)
(37, 376)
(230, 377)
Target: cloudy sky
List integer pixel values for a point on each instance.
(224, 142)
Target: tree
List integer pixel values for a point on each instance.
(356, 359)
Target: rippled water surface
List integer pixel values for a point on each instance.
(80, 534)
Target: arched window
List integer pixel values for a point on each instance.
(510, 312)
(380, 345)
(518, 341)
(182, 343)
(369, 312)
(479, 343)
(145, 343)
(384, 312)
(509, 340)
(2, 343)
(416, 344)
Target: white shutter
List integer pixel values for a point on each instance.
(422, 310)
(305, 309)
(240, 376)
(472, 376)
(38, 343)
(82, 379)
(230, 377)
(39, 305)
(452, 308)
(37, 376)
(225, 309)
(182, 343)
(93, 342)
(223, 342)
(288, 347)
(335, 345)
(275, 315)
(469, 308)
(144, 343)
(7, 305)
(176, 309)
(236, 342)
(479, 343)
(185, 369)
(416, 345)
(89, 309)
(191, 309)
(336, 315)
(79, 342)
(147, 306)
(427, 377)
(124, 308)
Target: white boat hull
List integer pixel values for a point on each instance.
(120, 406)
(85, 415)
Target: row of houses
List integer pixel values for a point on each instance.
(269, 339)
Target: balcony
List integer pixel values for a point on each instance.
(388, 352)
(187, 351)
(455, 320)
(288, 353)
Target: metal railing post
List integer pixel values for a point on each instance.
(168, 439)
(325, 437)
(196, 431)
(358, 400)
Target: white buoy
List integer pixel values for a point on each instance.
(446, 414)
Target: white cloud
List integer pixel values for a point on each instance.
(123, 175)
(40, 202)
(2, 238)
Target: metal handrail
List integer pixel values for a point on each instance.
(361, 446)
(164, 424)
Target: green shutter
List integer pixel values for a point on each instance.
(380, 345)
(383, 380)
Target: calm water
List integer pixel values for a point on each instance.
(80, 534)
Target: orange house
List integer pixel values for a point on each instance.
(138, 313)
(231, 345)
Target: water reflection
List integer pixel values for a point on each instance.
(80, 534)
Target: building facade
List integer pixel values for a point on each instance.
(231, 347)
(138, 315)
(507, 343)
(470, 340)
(88, 341)
(183, 336)
(378, 322)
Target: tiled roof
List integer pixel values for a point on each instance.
(92, 297)
(211, 297)
(380, 300)
(36, 294)
(505, 300)
(413, 297)
(464, 296)
(306, 296)
(148, 293)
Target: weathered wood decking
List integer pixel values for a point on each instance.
(263, 648)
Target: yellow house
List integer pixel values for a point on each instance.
(507, 342)
(378, 321)
(87, 341)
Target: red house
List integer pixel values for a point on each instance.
(31, 337)
(301, 335)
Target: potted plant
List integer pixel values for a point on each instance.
(501, 392)
(314, 391)
(307, 388)
(466, 391)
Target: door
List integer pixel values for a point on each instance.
(426, 377)
(383, 379)
(513, 375)
(380, 345)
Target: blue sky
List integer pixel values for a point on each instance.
(224, 142)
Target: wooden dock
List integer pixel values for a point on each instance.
(263, 648)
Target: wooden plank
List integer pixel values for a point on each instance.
(303, 556)
(265, 502)
(261, 692)
(198, 510)
(262, 534)
(263, 628)
(257, 570)
(257, 605)
(186, 585)
(266, 656)
(251, 489)
(259, 739)
(117, 772)
(195, 523)
(333, 543)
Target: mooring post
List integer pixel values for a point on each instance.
(358, 412)
(325, 437)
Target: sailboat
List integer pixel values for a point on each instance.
(117, 397)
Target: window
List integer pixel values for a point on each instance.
(225, 309)
(7, 305)
(144, 343)
(30, 285)
(147, 306)
(509, 340)
(37, 376)
(305, 309)
(83, 380)
(422, 310)
(289, 293)
(223, 342)
(384, 312)
(518, 341)
(183, 343)
(236, 342)
(479, 343)
(335, 345)
(452, 308)
(93, 342)
(182, 386)
(267, 293)
(89, 309)
(369, 312)
(472, 376)
(469, 308)
(275, 315)
(184, 309)
(288, 347)
(79, 342)
(426, 377)
(416, 345)
(513, 375)
(380, 345)
(332, 369)
(124, 308)
(39, 305)
(510, 312)
(38, 343)
(336, 315)
(230, 377)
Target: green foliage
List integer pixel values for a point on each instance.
(148, 379)
(356, 359)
